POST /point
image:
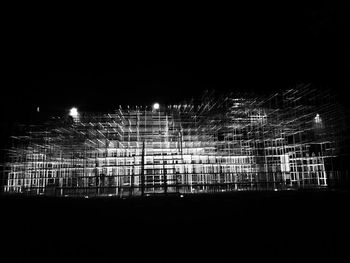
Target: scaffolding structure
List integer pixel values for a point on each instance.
(288, 140)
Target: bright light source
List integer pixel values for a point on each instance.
(156, 106)
(318, 120)
(73, 112)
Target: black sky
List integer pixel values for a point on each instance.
(99, 61)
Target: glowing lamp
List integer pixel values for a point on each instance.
(318, 119)
(156, 106)
(73, 112)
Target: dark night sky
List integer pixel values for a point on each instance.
(99, 62)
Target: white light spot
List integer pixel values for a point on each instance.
(73, 112)
(318, 119)
(156, 106)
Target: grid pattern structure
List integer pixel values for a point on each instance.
(236, 142)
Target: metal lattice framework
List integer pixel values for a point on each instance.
(235, 142)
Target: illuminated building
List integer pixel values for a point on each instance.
(285, 141)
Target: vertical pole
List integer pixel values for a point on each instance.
(143, 170)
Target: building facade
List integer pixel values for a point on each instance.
(288, 140)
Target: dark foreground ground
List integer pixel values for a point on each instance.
(243, 226)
